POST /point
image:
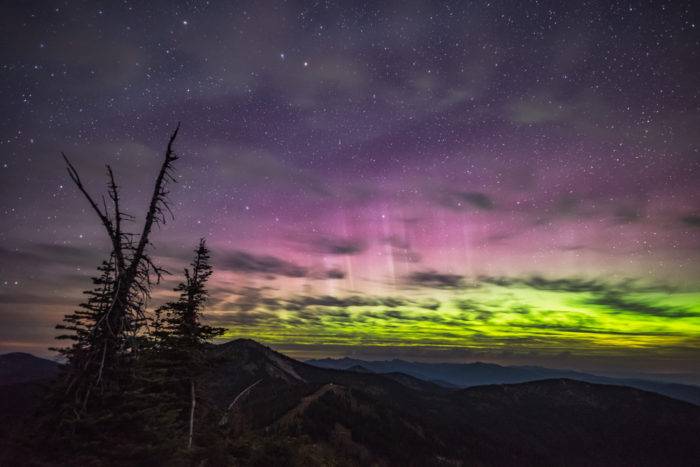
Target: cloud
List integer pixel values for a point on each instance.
(434, 279)
(580, 328)
(627, 215)
(692, 220)
(47, 273)
(267, 265)
(397, 242)
(40, 254)
(407, 316)
(329, 245)
(245, 318)
(577, 206)
(571, 284)
(618, 303)
(240, 261)
(342, 302)
(570, 205)
(541, 283)
(609, 295)
(429, 304)
(250, 298)
(473, 308)
(499, 237)
(334, 274)
(459, 200)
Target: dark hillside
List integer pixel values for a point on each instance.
(274, 410)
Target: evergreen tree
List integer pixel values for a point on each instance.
(87, 330)
(181, 339)
(87, 418)
(180, 322)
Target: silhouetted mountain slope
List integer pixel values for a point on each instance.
(21, 367)
(477, 374)
(359, 369)
(566, 421)
(400, 420)
(275, 410)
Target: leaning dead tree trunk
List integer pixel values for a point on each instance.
(135, 271)
(192, 406)
(243, 393)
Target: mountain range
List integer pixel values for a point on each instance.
(464, 375)
(280, 411)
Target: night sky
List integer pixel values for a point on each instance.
(514, 182)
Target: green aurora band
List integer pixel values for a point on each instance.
(589, 320)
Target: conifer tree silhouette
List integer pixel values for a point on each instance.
(85, 332)
(103, 346)
(180, 336)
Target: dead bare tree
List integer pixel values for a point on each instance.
(243, 393)
(134, 269)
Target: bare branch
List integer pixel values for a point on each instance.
(157, 199)
(76, 179)
(114, 195)
(104, 216)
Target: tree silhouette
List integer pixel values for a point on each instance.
(86, 333)
(114, 335)
(180, 337)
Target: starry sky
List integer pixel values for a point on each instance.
(514, 182)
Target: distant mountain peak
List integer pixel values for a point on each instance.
(259, 359)
(20, 367)
(18, 356)
(243, 342)
(359, 369)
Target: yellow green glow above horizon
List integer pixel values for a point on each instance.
(491, 317)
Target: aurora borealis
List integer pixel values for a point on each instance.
(514, 182)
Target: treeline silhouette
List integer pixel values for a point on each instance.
(128, 393)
